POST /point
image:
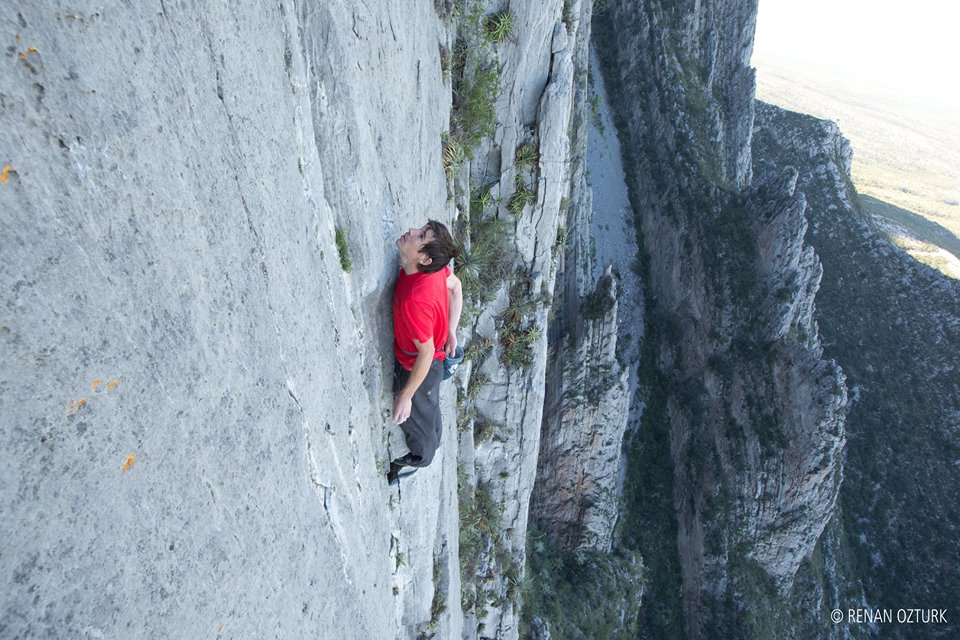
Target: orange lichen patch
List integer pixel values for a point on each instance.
(113, 384)
(5, 174)
(96, 384)
(32, 50)
(73, 407)
(22, 56)
(128, 462)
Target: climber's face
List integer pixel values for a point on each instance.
(412, 241)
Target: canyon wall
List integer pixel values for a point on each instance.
(745, 406)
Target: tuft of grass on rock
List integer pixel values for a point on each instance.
(475, 113)
(478, 351)
(482, 267)
(480, 200)
(480, 517)
(483, 430)
(454, 156)
(516, 327)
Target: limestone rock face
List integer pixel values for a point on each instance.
(538, 75)
(196, 377)
(576, 499)
(194, 387)
(753, 414)
(698, 52)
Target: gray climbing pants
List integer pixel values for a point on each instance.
(423, 428)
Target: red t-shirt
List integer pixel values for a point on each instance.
(420, 310)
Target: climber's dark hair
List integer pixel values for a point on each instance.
(441, 250)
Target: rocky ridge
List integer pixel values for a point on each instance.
(898, 352)
(576, 497)
(501, 420)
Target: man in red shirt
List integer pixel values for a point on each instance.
(426, 310)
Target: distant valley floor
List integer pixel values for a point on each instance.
(906, 162)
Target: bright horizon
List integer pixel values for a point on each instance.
(911, 50)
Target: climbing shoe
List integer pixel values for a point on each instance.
(394, 475)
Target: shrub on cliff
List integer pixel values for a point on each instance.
(599, 302)
(475, 111)
(588, 595)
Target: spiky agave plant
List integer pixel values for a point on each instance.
(480, 199)
(453, 156)
(522, 196)
(499, 26)
(527, 156)
(482, 268)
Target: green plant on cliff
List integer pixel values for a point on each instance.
(518, 346)
(340, 236)
(475, 74)
(477, 352)
(499, 26)
(566, 16)
(453, 156)
(475, 113)
(480, 516)
(523, 196)
(526, 157)
(480, 200)
(482, 267)
(477, 382)
(439, 604)
(561, 242)
(483, 430)
(516, 325)
(598, 302)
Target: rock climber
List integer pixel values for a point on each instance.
(426, 310)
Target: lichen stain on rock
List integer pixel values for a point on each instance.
(73, 406)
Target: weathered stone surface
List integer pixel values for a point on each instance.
(537, 71)
(576, 500)
(179, 172)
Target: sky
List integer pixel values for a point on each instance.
(908, 46)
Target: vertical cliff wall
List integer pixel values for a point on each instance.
(576, 497)
(193, 384)
(513, 187)
(198, 212)
(741, 404)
